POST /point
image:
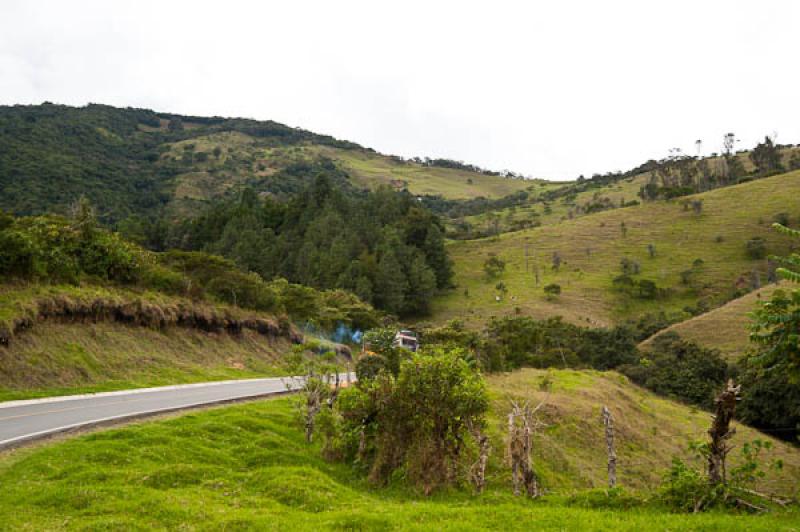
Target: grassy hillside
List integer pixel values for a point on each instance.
(247, 467)
(540, 211)
(136, 162)
(569, 451)
(591, 249)
(724, 328)
(370, 170)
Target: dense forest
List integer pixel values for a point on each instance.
(52, 154)
(380, 245)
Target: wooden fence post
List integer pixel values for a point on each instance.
(612, 455)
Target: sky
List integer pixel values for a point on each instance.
(547, 89)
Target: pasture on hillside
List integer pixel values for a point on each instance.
(591, 249)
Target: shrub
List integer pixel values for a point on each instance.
(418, 422)
(680, 369)
(494, 267)
(552, 291)
(757, 248)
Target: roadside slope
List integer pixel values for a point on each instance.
(61, 339)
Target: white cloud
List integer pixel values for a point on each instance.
(552, 89)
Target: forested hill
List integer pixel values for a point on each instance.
(52, 154)
(137, 162)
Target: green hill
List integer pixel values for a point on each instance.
(592, 248)
(724, 328)
(557, 202)
(248, 467)
(139, 162)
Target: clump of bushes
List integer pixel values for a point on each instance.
(418, 421)
(59, 250)
(680, 369)
(514, 342)
(756, 248)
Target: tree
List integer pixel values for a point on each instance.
(390, 282)
(772, 373)
(421, 284)
(767, 158)
(437, 258)
(419, 422)
(776, 326)
(175, 124)
(682, 369)
(494, 267)
(501, 287)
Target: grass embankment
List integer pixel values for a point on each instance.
(724, 328)
(74, 340)
(248, 467)
(592, 247)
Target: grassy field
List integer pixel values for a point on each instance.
(220, 163)
(724, 328)
(54, 357)
(591, 248)
(370, 170)
(247, 467)
(563, 209)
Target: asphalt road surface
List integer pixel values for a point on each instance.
(24, 421)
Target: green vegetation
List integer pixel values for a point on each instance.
(724, 329)
(371, 170)
(590, 249)
(379, 245)
(676, 368)
(56, 250)
(136, 163)
(64, 359)
(249, 467)
(773, 369)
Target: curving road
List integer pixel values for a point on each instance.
(24, 421)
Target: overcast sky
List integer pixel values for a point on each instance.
(549, 89)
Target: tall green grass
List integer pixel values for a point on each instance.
(248, 468)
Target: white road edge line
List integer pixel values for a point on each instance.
(133, 391)
(93, 422)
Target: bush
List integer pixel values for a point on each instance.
(683, 489)
(418, 422)
(552, 290)
(494, 267)
(514, 342)
(757, 248)
(680, 369)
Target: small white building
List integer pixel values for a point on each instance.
(406, 339)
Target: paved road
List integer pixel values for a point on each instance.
(23, 421)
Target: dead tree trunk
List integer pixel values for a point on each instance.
(477, 472)
(612, 455)
(720, 432)
(520, 433)
(313, 405)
